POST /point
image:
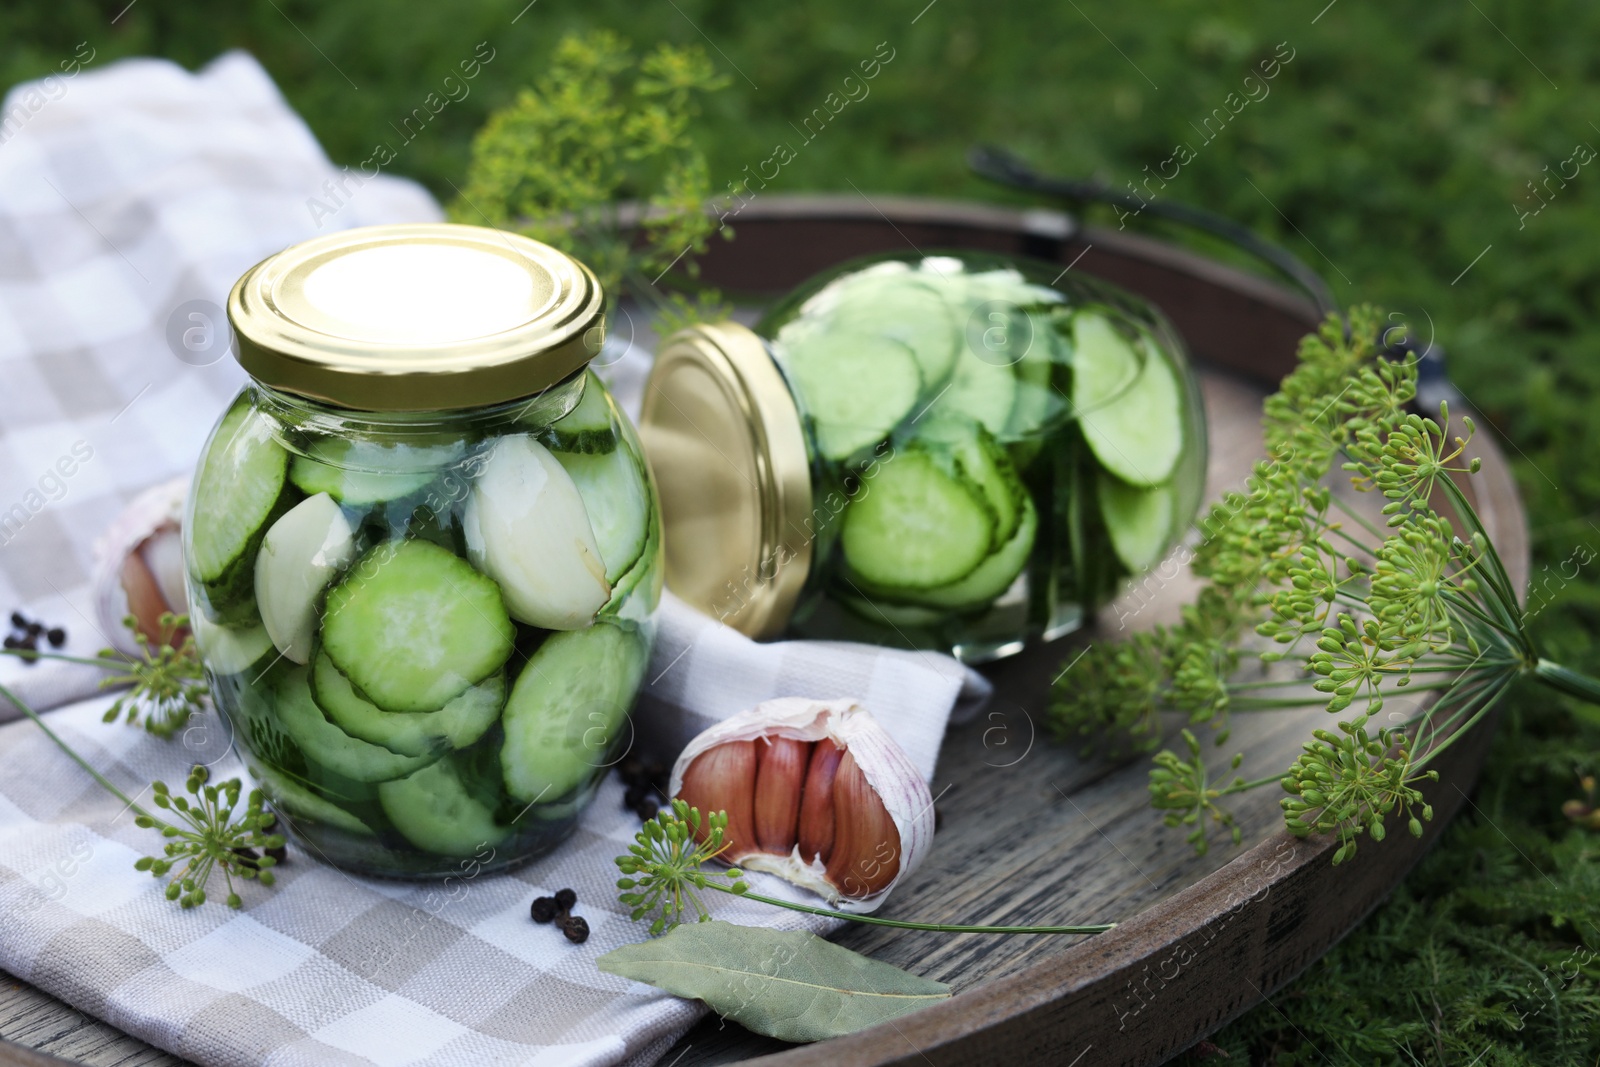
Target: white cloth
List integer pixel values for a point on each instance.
(137, 189)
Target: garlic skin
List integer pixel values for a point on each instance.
(138, 566)
(817, 793)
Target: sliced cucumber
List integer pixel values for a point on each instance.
(528, 528)
(566, 707)
(359, 473)
(882, 612)
(434, 810)
(991, 577)
(905, 309)
(1127, 401)
(617, 499)
(324, 743)
(918, 527)
(301, 553)
(296, 801)
(1039, 403)
(253, 717)
(638, 592)
(981, 390)
(1138, 519)
(588, 427)
(409, 733)
(229, 649)
(242, 484)
(857, 388)
(977, 458)
(413, 625)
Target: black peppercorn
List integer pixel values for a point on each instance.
(565, 899)
(19, 621)
(281, 853)
(543, 909)
(647, 808)
(57, 637)
(576, 928)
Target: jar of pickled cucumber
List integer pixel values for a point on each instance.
(423, 548)
(962, 452)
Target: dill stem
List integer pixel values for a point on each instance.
(105, 782)
(1571, 682)
(104, 662)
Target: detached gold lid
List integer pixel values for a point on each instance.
(416, 317)
(725, 441)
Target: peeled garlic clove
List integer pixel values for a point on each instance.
(817, 793)
(526, 527)
(303, 551)
(138, 567)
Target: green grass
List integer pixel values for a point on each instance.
(1391, 153)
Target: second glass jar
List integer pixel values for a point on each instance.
(991, 450)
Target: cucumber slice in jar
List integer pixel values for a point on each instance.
(1039, 403)
(359, 473)
(566, 707)
(991, 577)
(301, 553)
(408, 733)
(412, 625)
(616, 497)
(919, 527)
(293, 800)
(242, 482)
(587, 428)
(978, 459)
(637, 593)
(1129, 406)
(326, 744)
(856, 387)
(527, 528)
(229, 650)
(1138, 519)
(434, 810)
(884, 612)
(980, 389)
(903, 308)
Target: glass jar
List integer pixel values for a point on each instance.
(959, 452)
(423, 548)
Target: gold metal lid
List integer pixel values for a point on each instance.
(725, 441)
(416, 317)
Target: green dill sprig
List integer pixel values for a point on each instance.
(208, 838)
(602, 125)
(668, 855)
(166, 682)
(663, 877)
(1363, 610)
(208, 833)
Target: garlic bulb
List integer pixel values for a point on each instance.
(816, 793)
(139, 566)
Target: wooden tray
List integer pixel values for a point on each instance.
(1029, 832)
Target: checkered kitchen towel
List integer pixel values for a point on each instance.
(126, 194)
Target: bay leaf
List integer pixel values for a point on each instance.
(782, 983)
